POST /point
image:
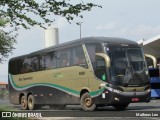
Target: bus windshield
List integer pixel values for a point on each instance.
(136, 59)
(127, 66)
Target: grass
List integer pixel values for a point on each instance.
(6, 108)
(4, 92)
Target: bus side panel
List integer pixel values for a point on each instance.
(43, 95)
(13, 94)
(50, 95)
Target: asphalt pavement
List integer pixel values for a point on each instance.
(141, 111)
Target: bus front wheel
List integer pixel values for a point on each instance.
(24, 104)
(87, 103)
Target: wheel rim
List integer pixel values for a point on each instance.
(24, 103)
(88, 102)
(30, 102)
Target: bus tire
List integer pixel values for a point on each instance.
(87, 102)
(121, 106)
(31, 102)
(24, 103)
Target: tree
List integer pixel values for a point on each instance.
(27, 13)
(21, 12)
(6, 41)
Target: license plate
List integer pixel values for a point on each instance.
(135, 99)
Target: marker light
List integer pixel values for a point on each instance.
(102, 85)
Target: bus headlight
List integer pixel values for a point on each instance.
(116, 91)
(149, 90)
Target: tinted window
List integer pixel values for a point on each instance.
(15, 67)
(35, 63)
(118, 61)
(50, 60)
(65, 58)
(136, 59)
(27, 67)
(78, 57)
(62, 58)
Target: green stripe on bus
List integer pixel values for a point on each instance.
(94, 93)
(48, 84)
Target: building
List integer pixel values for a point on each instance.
(3, 86)
(151, 46)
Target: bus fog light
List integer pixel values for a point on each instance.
(117, 99)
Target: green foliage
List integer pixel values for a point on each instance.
(27, 13)
(6, 41)
(21, 12)
(3, 22)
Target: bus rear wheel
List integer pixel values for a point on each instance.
(121, 106)
(87, 103)
(31, 102)
(24, 104)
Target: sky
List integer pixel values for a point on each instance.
(130, 19)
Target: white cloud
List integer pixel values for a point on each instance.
(107, 26)
(141, 31)
(131, 32)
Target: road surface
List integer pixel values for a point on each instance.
(141, 111)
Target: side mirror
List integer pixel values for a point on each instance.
(153, 59)
(106, 57)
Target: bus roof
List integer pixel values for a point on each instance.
(84, 40)
(95, 40)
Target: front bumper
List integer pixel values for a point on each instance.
(130, 97)
(113, 96)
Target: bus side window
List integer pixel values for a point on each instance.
(35, 63)
(50, 60)
(15, 67)
(63, 58)
(78, 57)
(26, 65)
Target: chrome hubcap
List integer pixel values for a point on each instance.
(88, 102)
